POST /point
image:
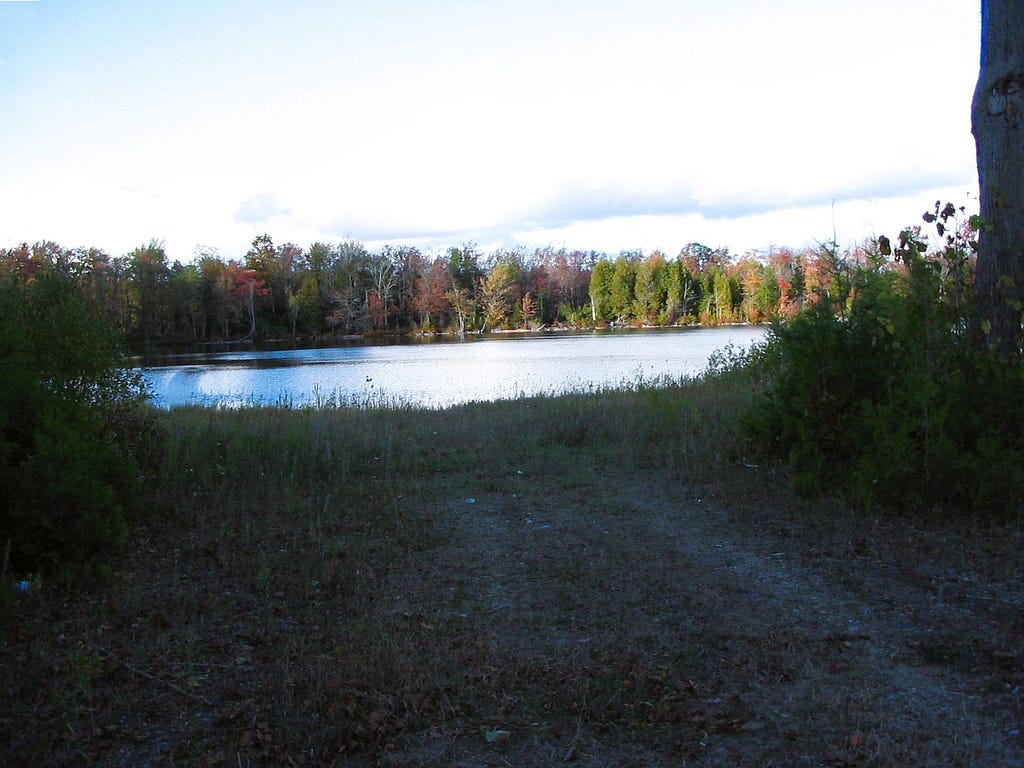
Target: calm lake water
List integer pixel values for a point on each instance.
(440, 373)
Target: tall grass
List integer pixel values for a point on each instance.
(233, 459)
(308, 493)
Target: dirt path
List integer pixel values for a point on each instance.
(682, 638)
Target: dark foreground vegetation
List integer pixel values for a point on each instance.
(810, 556)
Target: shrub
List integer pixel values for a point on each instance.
(71, 418)
(876, 391)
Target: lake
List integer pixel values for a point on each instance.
(438, 373)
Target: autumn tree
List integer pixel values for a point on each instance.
(649, 296)
(347, 298)
(720, 295)
(247, 286)
(261, 259)
(790, 278)
(185, 291)
(529, 309)
(538, 282)
(383, 279)
(558, 280)
(217, 289)
(572, 275)
(319, 263)
(600, 290)
(305, 310)
(623, 283)
(289, 259)
(103, 280)
(430, 296)
(767, 295)
(680, 291)
(409, 265)
(465, 272)
(150, 275)
(699, 258)
(499, 291)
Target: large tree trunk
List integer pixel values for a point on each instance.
(997, 114)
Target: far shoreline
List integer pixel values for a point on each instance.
(170, 352)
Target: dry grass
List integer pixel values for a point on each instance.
(589, 580)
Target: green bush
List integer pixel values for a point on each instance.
(71, 418)
(876, 391)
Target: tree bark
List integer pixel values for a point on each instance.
(997, 114)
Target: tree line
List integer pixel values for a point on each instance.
(336, 289)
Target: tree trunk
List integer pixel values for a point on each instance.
(252, 309)
(997, 114)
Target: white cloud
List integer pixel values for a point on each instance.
(261, 210)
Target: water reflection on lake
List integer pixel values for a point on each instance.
(437, 374)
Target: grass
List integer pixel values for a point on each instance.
(593, 579)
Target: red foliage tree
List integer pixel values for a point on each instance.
(246, 286)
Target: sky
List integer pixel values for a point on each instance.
(586, 124)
